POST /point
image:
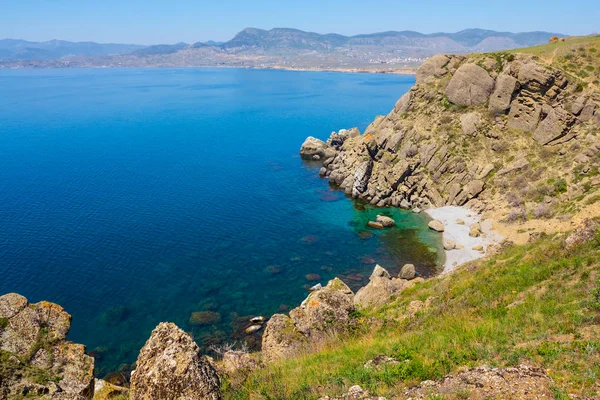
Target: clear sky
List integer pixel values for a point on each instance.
(154, 21)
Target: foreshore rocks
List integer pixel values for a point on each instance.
(37, 359)
(380, 289)
(323, 313)
(465, 119)
(170, 366)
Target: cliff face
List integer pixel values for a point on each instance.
(36, 360)
(498, 132)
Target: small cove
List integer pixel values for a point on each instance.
(136, 196)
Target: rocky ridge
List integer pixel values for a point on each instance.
(500, 132)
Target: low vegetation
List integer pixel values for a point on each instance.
(535, 304)
(579, 56)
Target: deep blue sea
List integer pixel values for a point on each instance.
(134, 196)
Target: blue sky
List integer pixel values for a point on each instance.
(153, 21)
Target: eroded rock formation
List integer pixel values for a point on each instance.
(324, 312)
(170, 366)
(36, 360)
(470, 130)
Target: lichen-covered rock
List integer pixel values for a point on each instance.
(354, 393)
(281, 339)
(56, 368)
(323, 313)
(170, 366)
(236, 361)
(379, 290)
(470, 123)
(470, 85)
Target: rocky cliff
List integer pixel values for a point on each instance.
(506, 133)
(36, 360)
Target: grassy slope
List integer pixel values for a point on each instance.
(579, 56)
(534, 304)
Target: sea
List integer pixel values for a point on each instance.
(135, 196)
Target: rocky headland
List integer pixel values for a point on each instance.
(505, 135)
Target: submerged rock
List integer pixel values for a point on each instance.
(33, 337)
(200, 318)
(170, 366)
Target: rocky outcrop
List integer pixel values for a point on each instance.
(583, 233)
(522, 382)
(324, 312)
(471, 85)
(170, 366)
(354, 393)
(314, 149)
(380, 289)
(37, 360)
(465, 119)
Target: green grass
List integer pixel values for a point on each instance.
(533, 303)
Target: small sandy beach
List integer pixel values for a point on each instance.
(459, 233)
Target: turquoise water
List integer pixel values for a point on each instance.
(137, 196)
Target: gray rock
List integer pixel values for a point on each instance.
(554, 126)
(379, 290)
(387, 222)
(403, 104)
(524, 114)
(379, 272)
(408, 272)
(449, 245)
(436, 226)
(433, 67)
(470, 123)
(470, 85)
(281, 339)
(315, 147)
(362, 174)
(506, 87)
(170, 366)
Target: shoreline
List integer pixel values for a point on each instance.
(459, 233)
(391, 71)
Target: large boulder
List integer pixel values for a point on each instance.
(379, 290)
(315, 149)
(470, 85)
(36, 335)
(436, 226)
(470, 123)
(323, 313)
(170, 366)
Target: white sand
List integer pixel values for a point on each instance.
(460, 234)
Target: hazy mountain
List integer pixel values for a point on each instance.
(15, 49)
(278, 47)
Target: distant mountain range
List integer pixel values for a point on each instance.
(279, 47)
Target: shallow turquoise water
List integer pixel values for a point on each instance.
(137, 196)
